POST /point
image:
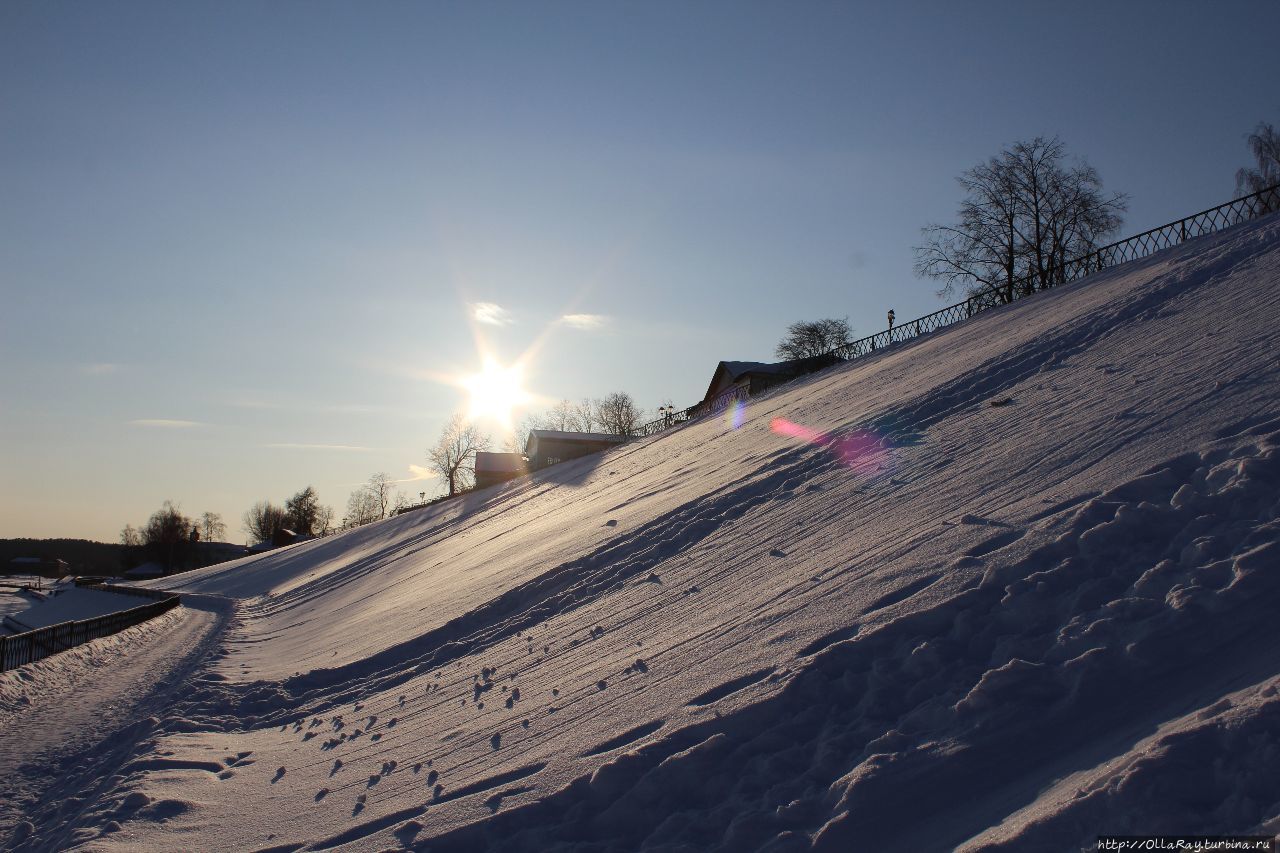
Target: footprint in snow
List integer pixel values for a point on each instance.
(613, 522)
(496, 741)
(321, 794)
(279, 775)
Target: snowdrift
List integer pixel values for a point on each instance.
(1006, 587)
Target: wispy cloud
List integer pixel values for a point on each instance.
(99, 368)
(165, 423)
(588, 322)
(290, 445)
(419, 473)
(491, 314)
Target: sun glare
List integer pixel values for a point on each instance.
(495, 391)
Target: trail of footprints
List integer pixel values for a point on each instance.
(357, 731)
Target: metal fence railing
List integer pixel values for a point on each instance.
(1132, 248)
(24, 648)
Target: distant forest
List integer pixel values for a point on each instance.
(85, 557)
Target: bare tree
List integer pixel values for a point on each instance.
(453, 456)
(382, 487)
(1026, 212)
(560, 417)
(264, 520)
(1264, 142)
(212, 527)
(519, 438)
(584, 417)
(362, 508)
(130, 537)
(324, 518)
(618, 413)
(808, 339)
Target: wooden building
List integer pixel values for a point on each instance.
(753, 377)
(548, 446)
(494, 468)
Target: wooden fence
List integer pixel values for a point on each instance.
(24, 648)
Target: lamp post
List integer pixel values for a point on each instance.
(891, 319)
(667, 411)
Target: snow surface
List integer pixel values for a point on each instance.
(14, 601)
(1005, 587)
(72, 604)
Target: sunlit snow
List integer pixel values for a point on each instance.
(1005, 587)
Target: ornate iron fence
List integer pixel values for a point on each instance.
(1132, 248)
(30, 646)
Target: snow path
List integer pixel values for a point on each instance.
(72, 719)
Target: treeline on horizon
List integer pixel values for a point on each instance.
(85, 556)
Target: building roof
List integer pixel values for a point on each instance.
(582, 437)
(504, 463)
(735, 370)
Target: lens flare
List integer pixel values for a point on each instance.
(861, 450)
(735, 414)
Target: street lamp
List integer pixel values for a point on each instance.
(891, 318)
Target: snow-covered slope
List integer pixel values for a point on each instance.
(1008, 586)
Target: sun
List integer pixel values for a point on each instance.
(495, 391)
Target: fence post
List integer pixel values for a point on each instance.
(4, 653)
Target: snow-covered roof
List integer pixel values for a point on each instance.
(736, 369)
(577, 436)
(536, 435)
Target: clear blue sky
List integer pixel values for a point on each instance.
(238, 239)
